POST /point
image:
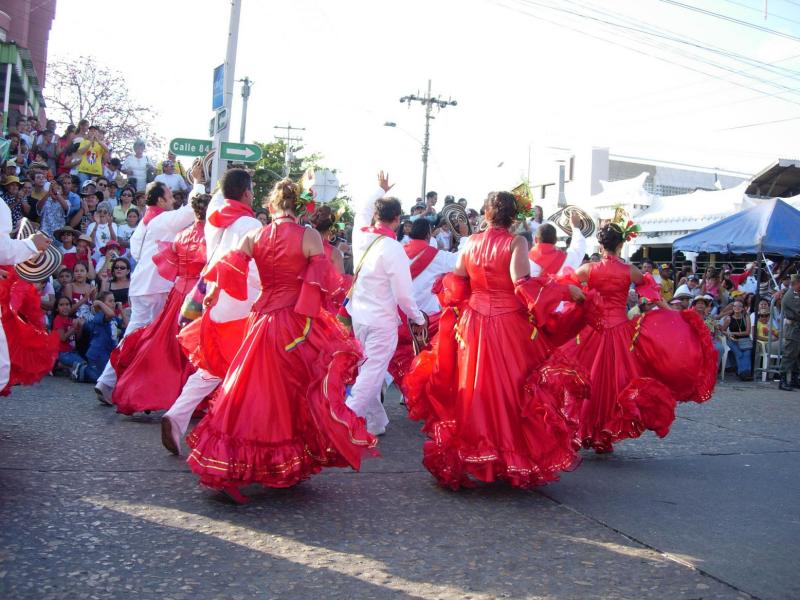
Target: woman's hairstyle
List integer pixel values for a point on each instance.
(387, 209)
(134, 211)
(80, 263)
(284, 195)
(610, 237)
(128, 188)
(323, 218)
(199, 204)
(123, 261)
(155, 191)
(500, 208)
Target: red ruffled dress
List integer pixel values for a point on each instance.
(638, 367)
(32, 349)
(497, 400)
(340, 284)
(150, 364)
(280, 415)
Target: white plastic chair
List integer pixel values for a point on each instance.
(767, 363)
(723, 356)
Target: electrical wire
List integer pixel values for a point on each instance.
(758, 10)
(711, 13)
(759, 124)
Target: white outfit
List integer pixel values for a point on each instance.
(219, 241)
(174, 182)
(138, 168)
(12, 252)
(443, 262)
(575, 254)
(445, 239)
(101, 238)
(383, 284)
(148, 291)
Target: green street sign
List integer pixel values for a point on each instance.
(190, 147)
(240, 152)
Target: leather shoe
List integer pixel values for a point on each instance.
(170, 436)
(103, 394)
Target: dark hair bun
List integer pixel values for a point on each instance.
(501, 209)
(322, 219)
(609, 236)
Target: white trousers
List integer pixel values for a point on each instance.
(5, 360)
(199, 385)
(379, 344)
(144, 310)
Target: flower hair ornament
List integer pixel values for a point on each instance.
(523, 200)
(626, 226)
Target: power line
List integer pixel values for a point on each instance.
(711, 13)
(649, 54)
(760, 123)
(758, 10)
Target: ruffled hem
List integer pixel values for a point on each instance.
(230, 274)
(333, 437)
(32, 351)
(706, 376)
(644, 404)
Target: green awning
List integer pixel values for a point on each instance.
(25, 87)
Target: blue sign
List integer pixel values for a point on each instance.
(218, 94)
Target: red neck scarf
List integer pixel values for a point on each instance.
(229, 212)
(421, 254)
(151, 213)
(548, 257)
(380, 230)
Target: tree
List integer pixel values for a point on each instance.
(85, 89)
(270, 168)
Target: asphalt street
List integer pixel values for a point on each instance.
(91, 506)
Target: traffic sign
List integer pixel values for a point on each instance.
(221, 119)
(190, 147)
(218, 90)
(240, 152)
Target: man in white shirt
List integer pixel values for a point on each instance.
(171, 179)
(229, 218)
(13, 252)
(426, 266)
(136, 165)
(148, 290)
(546, 259)
(383, 284)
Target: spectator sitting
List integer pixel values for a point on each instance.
(118, 282)
(83, 253)
(174, 159)
(68, 330)
(111, 251)
(82, 290)
(105, 329)
(736, 328)
(47, 294)
(711, 283)
(171, 179)
(125, 231)
(764, 328)
(53, 208)
(103, 229)
(120, 213)
(64, 277)
(67, 237)
(702, 306)
(12, 198)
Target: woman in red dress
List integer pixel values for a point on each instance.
(638, 367)
(280, 414)
(497, 399)
(150, 364)
(324, 220)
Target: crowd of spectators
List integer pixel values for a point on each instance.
(75, 188)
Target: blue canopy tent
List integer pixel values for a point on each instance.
(772, 227)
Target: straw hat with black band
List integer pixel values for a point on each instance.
(563, 220)
(41, 266)
(453, 216)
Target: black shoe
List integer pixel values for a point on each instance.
(785, 384)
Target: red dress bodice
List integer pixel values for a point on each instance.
(611, 277)
(278, 252)
(487, 259)
(190, 250)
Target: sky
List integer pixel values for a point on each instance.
(528, 76)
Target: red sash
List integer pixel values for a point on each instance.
(229, 212)
(380, 230)
(421, 254)
(548, 257)
(151, 213)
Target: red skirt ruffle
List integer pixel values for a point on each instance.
(280, 415)
(639, 369)
(150, 364)
(497, 402)
(32, 350)
(404, 354)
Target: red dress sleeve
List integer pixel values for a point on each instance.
(230, 274)
(166, 261)
(318, 280)
(649, 289)
(454, 290)
(541, 296)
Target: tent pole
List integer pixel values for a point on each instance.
(754, 307)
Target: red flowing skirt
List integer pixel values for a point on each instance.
(32, 350)
(639, 369)
(497, 401)
(279, 416)
(150, 364)
(404, 354)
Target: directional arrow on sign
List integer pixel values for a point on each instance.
(241, 152)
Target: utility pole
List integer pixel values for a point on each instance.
(246, 85)
(288, 140)
(230, 66)
(429, 102)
